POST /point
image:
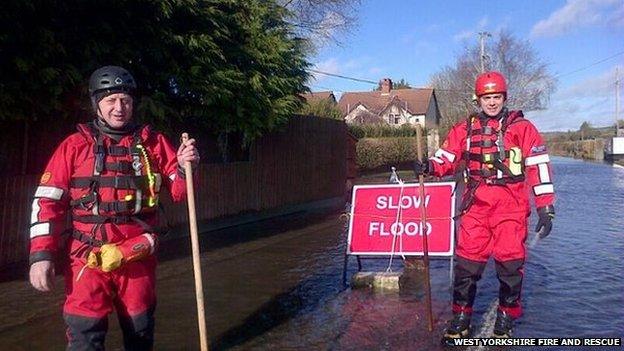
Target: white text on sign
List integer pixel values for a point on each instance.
(397, 228)
(405, 202)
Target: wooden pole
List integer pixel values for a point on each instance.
(423, 225)
(199, 287)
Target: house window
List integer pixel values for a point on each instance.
(394, 118)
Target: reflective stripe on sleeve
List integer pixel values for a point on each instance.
(49, 192)
(34, 215)
(40, 229)
(443, 153)
(152, 244)
(533, 160)
(543, 173)
(543, 189)
(436, 160)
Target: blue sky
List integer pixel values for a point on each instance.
(415, 39)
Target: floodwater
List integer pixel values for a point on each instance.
(277, 285)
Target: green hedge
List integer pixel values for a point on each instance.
(381, 131)
(372, 153)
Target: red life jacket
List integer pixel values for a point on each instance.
(488, 157)
(121, 186)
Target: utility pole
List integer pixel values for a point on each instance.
(617, 101)
(482, 36)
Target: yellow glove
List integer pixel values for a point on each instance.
(107, 259)
(112, 256)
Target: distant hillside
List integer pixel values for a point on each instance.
(586, 133)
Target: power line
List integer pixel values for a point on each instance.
(590, 65)
(328, 88)
(376, 83)
(343, 77)
(358, 80)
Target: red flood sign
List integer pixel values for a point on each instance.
(385, 219)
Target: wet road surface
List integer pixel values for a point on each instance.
(277, 285)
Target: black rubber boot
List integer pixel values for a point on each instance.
(458, 328)
(504, 325)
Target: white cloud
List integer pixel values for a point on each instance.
(375, 71)
(482, 22)
(464, 35)
(330, 65)
(591, 100)
(579, 13)
(359, 67)
(596, 86)
(434, 27)
(352, 64)
(468, 34)
(617, 18)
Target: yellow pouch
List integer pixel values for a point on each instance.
(93, 260)
(107, 259)
(111, 257)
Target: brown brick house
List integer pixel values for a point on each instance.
(393, 107)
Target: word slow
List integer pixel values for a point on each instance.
(405, 202)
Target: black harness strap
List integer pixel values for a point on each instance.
(121, 206)
(483, 143)
(116, 150)
(483, 172)
(118, 182)
(87, 239)
(115, 219)
(86, 203)
(119, 166)
(485, 130)
(490, 158)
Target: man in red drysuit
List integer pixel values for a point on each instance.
(108, 176)
(505, 158)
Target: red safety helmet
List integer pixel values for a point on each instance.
(490, 83)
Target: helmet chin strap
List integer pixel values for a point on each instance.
(108, 129)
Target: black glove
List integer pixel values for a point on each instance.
(421, 167)
(544, 223)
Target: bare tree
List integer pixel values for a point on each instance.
(529, 82)
(321, 21)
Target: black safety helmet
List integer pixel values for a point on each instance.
(110, 80)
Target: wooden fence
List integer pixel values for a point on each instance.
(304, 162)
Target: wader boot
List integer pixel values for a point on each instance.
(458, 328)
(503, 326)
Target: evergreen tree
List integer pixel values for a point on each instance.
(322, 108)
(231, 66)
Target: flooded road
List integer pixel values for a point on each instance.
(282, 289)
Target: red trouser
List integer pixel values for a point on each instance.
(482, 235)
(129, 289)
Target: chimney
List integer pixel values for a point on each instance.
(385, 85)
